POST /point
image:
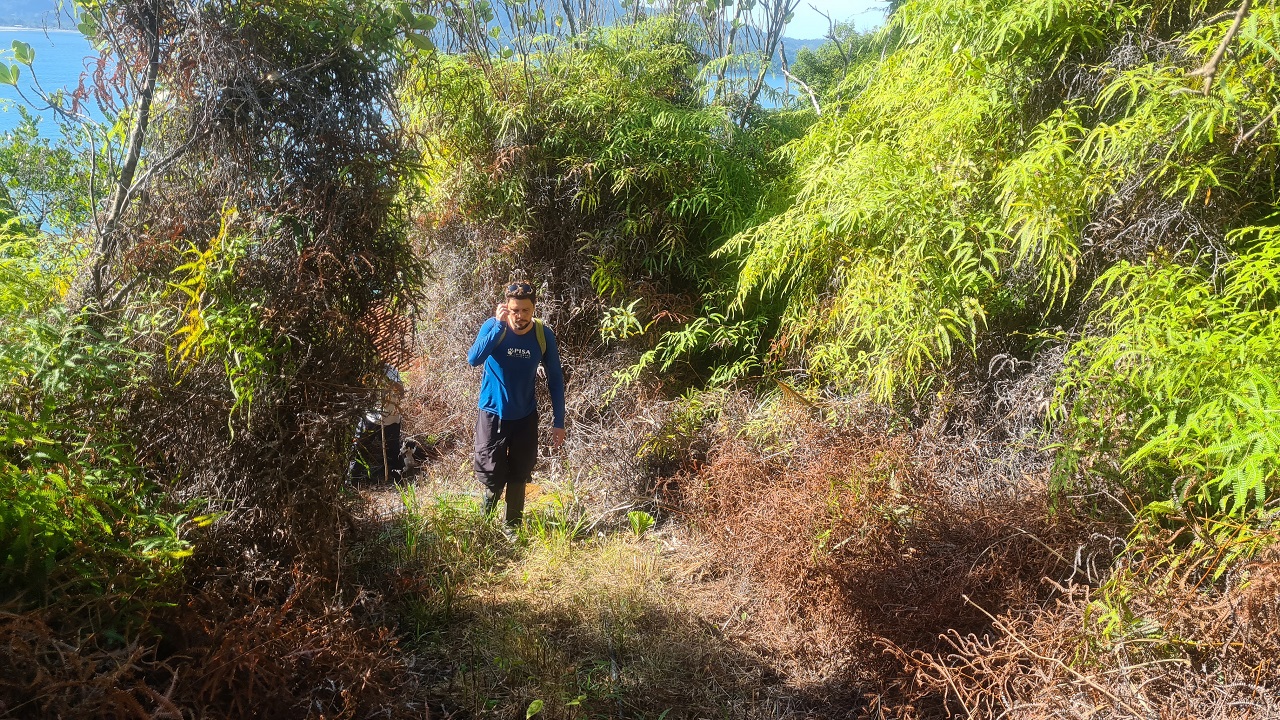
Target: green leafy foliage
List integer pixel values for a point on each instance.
(947, 191)
(1179, 375)
(885, 245)
(639, 521)
(30, 276)
(47, 181)
(76, 510)
(216, 318)
(602, 153)
(975, 168)
(824, 67)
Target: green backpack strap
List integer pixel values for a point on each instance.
(539, 330)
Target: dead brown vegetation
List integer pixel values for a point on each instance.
(1184, 646)
(857, 551)
(234, 648)
(859, 564)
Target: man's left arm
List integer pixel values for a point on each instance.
(555, 384)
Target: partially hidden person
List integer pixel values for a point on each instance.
(511, 346)
(377, 453)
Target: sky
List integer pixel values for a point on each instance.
(808, 23)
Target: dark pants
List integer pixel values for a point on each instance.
(506, 451)
(372, 443)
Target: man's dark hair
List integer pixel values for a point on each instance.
(521, 290)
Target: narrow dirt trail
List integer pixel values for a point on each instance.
(599, 623)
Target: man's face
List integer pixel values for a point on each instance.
(519, 313)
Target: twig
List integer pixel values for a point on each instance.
(1045, 545)
(1210, 69)
(1159, 661)
(812, 98)
(1078, 675)
(776, 24)
(1253, 130)
(609, 513)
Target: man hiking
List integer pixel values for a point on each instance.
(511, 345)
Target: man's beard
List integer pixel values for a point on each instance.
(521, 324)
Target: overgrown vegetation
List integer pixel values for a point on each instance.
(942, 385)
(596, 165)
(1039, 231)
(186, 363)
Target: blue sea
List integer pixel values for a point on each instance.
(61, 58)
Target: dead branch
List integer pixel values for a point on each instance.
(812, 98)
(834, 37)
(1210, 69)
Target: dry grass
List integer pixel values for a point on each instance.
(590, 624)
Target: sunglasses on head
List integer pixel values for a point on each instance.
(519, 289)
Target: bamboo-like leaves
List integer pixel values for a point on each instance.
(1185, 370)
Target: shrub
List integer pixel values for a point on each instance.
(1177, 380)
(596, 165)
(77, 511)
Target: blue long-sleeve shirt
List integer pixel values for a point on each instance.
(511, 371)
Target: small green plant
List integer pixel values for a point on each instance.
(681, 434)
(621, 322)
(640, 521)
(214, 320)
(556, 522)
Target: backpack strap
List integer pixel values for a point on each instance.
(539, 330)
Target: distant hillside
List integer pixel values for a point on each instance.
(793, 45)
(30, 13)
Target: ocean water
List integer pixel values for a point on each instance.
(62, 57)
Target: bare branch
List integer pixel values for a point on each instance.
(812, 98)
(1261, 123)
(1210, 69)
(775, 24)
(834, 37)
(106, 245)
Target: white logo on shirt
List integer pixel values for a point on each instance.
(519, 352)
